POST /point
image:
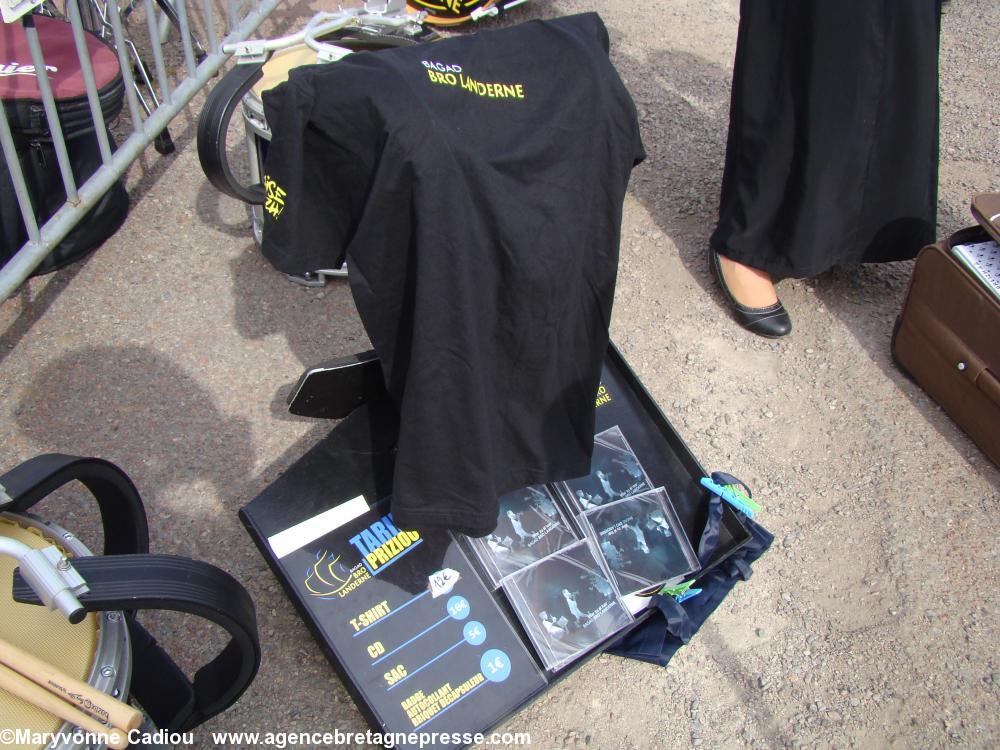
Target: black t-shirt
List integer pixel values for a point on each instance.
(476, 186)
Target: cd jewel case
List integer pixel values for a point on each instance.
(615, 473)
(530, 526)
(641, 541)
(566, 604)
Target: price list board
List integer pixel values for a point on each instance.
(410, 623)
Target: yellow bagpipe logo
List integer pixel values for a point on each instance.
(324, 580)
(456, 7)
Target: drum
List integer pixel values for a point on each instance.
(33, 139)
(258, 135)
(237, 170)
(450, 12)
(96, 650)
(108, 650)
(276, 71)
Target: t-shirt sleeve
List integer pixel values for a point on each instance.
(590, 24)
(314, 182)
(639, 149)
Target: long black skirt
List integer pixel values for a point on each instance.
(833, 134)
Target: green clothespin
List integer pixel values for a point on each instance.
(681, 592)
(747, 500)
(733, 491)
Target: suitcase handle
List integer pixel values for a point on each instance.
(986, 210)
(988, 383)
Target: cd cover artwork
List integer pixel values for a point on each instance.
(566, 604)
(641, 541)
(615, 473)
(530, 526)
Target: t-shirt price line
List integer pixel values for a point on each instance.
(390, 614)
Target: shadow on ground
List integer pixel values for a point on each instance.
(682, 102)
(143, 174)
(195, 467)
(867, 299)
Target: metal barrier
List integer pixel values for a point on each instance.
(147, 121)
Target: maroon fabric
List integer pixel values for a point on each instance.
(17, 73)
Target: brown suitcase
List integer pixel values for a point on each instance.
(948, 335)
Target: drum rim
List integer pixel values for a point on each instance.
(253, 105)
(442, 16)
(114, 650)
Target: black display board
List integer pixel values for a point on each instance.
(413, 627)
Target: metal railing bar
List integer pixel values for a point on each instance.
(163, 23)
(90, 17)
(17, 177)
(213, 40)
(154, 43)
(93, 97)
(181, 7)
(144, 74)
(49, 104)
(131, 95)
(18, 268)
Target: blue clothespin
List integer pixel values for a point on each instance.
(689, 594)
(733, 496)
(682, 591)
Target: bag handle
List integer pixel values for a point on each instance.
(122, 512)
(986, 210)
(179, 584)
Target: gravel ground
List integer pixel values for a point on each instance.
(872, 622)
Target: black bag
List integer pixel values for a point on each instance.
(33, 139)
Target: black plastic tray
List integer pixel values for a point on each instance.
(355, 459)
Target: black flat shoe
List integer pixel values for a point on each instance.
(772, 321)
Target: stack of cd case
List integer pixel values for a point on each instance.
(641, 542)
(567, 556)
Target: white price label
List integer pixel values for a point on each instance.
(443, 582)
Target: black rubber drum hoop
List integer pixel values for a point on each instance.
(245, 84)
